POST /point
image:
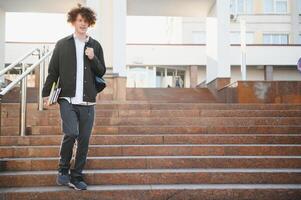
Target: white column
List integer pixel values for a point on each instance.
(119, 36)
(2, 42)
(103, 29)
(268, 73)
(218, 41)
(165, 77)
(95, 31)
(110, 30)
(243, 47)
(187, 77)
(154, 77)
(294, 10)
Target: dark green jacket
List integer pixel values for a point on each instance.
(63, 64)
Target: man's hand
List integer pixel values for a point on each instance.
(45, 102)
(89, 52)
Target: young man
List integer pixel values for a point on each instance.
(76, 60)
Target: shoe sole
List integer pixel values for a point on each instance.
(74, 187)
(62, 184)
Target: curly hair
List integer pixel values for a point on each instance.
(87, 13)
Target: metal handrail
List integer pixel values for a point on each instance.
(6, 69)
(43, 55)
(25, 73)
(202, 84)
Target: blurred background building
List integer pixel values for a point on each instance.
(158, 44)
(203, 100)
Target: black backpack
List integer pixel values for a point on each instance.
(100, 83)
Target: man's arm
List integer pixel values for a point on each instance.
(53, 72)
(98, 63)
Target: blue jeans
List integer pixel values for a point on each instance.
(77, 124)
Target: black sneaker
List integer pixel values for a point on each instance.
(78, 183)
(63, 178)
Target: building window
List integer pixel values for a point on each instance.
(299, 39)
(235, 38)
(241, 6)
(275, 6)
(299, 6)
(275, 38)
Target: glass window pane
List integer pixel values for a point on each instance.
(299, 6)
(284, 39)
(233, 6)
(268, 6)
(249, 6)
(235, 38)
(266, 39)
(240, 6)
(250, 38)
(281, 6)
(275, 39)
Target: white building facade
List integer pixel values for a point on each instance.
(204, 42)
(273, 38)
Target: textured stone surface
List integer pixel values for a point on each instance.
(262, 92)
(159, 150)
(159, 192)
(159, 176)
(146, 150)
(37, 140)
(157, 162)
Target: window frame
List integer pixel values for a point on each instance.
(299, 6)
(299, 38)
(245, 9)
(274, 6)
(279, 38)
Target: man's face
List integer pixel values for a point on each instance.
(80, 24)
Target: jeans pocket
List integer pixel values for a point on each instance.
(69, 118)
(91, 110)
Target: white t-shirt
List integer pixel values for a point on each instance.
(78, 98)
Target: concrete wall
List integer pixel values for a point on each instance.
(2, 41)
(286, 73)
(184, 56)
(196, 55)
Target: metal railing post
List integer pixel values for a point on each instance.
(46, 66)
(41, 79)
(23, 103)
(23, 84)
(0, 113)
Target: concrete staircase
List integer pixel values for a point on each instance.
(161, 150)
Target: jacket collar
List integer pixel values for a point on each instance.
(71, 36)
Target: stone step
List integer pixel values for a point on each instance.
(158, 176)
(159, 192)
(155, 162)
(165, 106)
(160, 139)
(35, 115)
(185, 121)
(158, 150)
(188, 95)
(176, 129)
(170, 94)
(118, 130)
